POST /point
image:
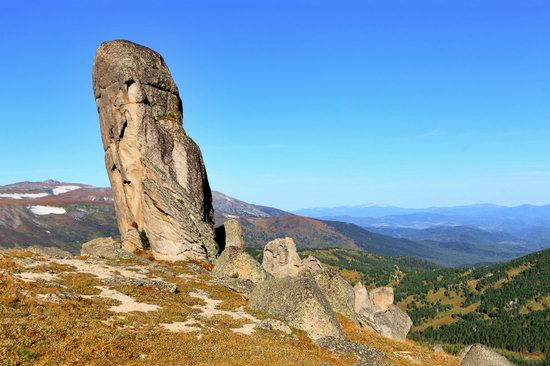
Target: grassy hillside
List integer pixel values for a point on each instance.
(61, 312)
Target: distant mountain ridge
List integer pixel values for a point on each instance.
(483, 209)
(66, 215)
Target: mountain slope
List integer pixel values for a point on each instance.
(228, 207)
(56, 214)
(306, 232)
(492, 305)
(67, 214)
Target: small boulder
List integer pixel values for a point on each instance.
(107, 248)
(479, 355)
(392, 323)
(156, 284)
(230, 234)
(236, 263)
(240, 285)
(299, 302)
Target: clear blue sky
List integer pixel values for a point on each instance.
(297, 104)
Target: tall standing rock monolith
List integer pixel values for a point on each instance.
(156, 171)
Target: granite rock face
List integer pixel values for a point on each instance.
(156, 171)
(107, 248)
(479, 355)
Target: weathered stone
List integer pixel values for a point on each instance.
(138, 282)
(274, 324)
(281, 259)
(49, 252)
(230, 234)
(236, 263)
(392, 323)
(108, 248)
(157, 173)
(365, 356)
(338, 292)
(479, 355)
(299, 302)
(241, 285)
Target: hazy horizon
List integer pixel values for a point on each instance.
(301, 104)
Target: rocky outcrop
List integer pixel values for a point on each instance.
(236, 263)
(392, 323)
(376, 311)
(479, 355)
(281, 259)
(299, 302)
(230, 234)
(157, 173)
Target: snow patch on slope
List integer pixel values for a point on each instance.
(18, 196)
(64, 189)
(47, 210)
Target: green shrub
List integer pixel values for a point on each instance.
(145, 244)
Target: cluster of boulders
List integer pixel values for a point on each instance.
(303, 292)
